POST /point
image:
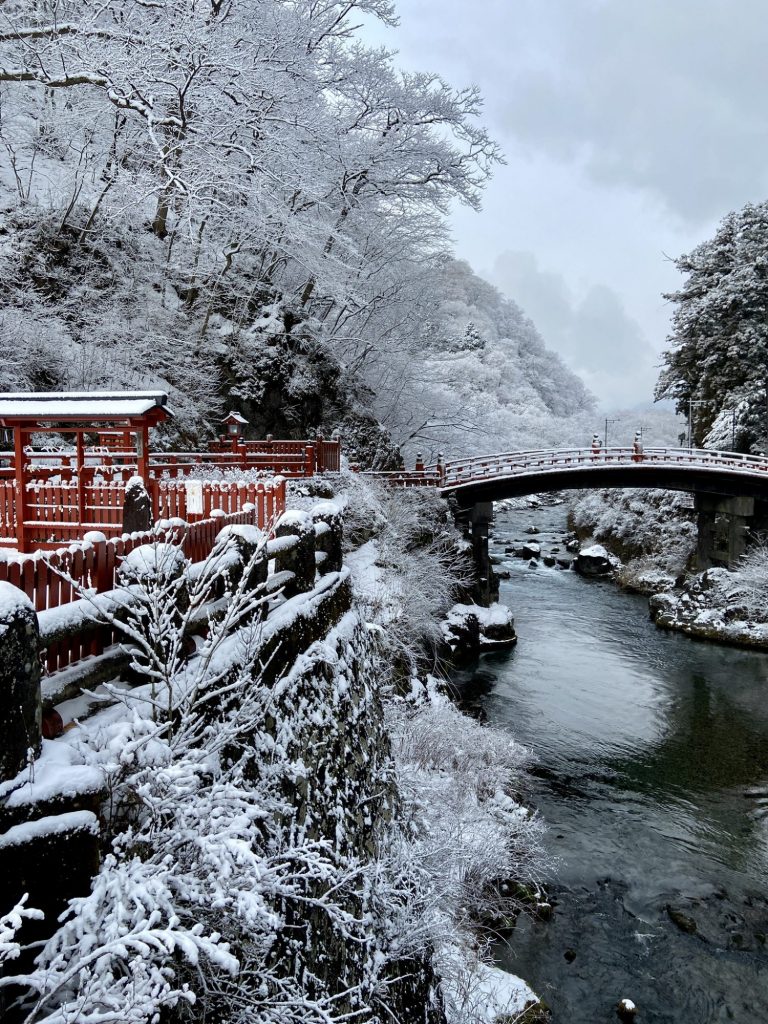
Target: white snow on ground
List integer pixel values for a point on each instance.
(477, 993)
(501, 992)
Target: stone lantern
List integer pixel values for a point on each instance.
(234, 423)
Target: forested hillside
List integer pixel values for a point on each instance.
(245, 204)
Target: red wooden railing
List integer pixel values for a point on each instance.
(114, 463)
(297, 458)
(54, 516)
(94, 564)
(300, 463)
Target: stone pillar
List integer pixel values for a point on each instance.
(252, 556)
(137, 507)
(723, 528)
(329, 535)
(20, 705)
(297, 558)
(480, 518)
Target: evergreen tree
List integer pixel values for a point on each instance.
(718, 359)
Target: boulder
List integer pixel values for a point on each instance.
(530, 550)
(470, 630)
(595, 561)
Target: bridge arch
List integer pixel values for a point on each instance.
(725, 485)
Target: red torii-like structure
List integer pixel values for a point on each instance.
(131, 413)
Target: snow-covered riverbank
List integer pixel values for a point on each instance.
(653, 533)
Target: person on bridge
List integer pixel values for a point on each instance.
(597, 444)
(637, 447)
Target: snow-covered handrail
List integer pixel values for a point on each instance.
(457, 472)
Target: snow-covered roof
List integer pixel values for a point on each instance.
(232, 415)
(86, 404)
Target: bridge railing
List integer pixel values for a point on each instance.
(460, 471)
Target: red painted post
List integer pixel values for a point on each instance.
(21, 494)
(142, 443)
(320, 466)
(309, 457)
(101, 566)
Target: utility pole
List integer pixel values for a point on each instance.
(605, 435)
(691, 403)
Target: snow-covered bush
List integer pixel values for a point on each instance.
(639, 524)
(462, 845)
(751, 580)
(420, 560)
(10, 923)
(247, 873)
(459, 779)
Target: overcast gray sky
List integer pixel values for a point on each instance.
(630, 127)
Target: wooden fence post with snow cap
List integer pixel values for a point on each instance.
(20, 705)
(294, 550)
(329, 535)
(102, 578)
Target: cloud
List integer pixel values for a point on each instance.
(592, 331)
(664, 97)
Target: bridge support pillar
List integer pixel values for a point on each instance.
(723, 525)
(480, 519)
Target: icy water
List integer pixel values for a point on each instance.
(651, 757)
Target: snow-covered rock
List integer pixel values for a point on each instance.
(595, 560)
(470, 629)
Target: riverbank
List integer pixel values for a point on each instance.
(651, 758)
(652, 534)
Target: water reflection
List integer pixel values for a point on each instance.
(647, 746)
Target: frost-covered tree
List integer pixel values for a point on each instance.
(472, 369)
(718, 356)
(244, 199)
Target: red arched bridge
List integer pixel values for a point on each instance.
(725, 484)
(514, 474)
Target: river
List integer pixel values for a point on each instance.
(651, 755)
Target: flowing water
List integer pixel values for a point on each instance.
(652, 775)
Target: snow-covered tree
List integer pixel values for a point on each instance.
(718, 356)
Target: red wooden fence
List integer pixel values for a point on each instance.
(94, 565)
(54, 516)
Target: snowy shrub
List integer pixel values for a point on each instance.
(10, 923)
(458, 780)
(638, 524)
(226, 862)
(418, 553)
(751, 580)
